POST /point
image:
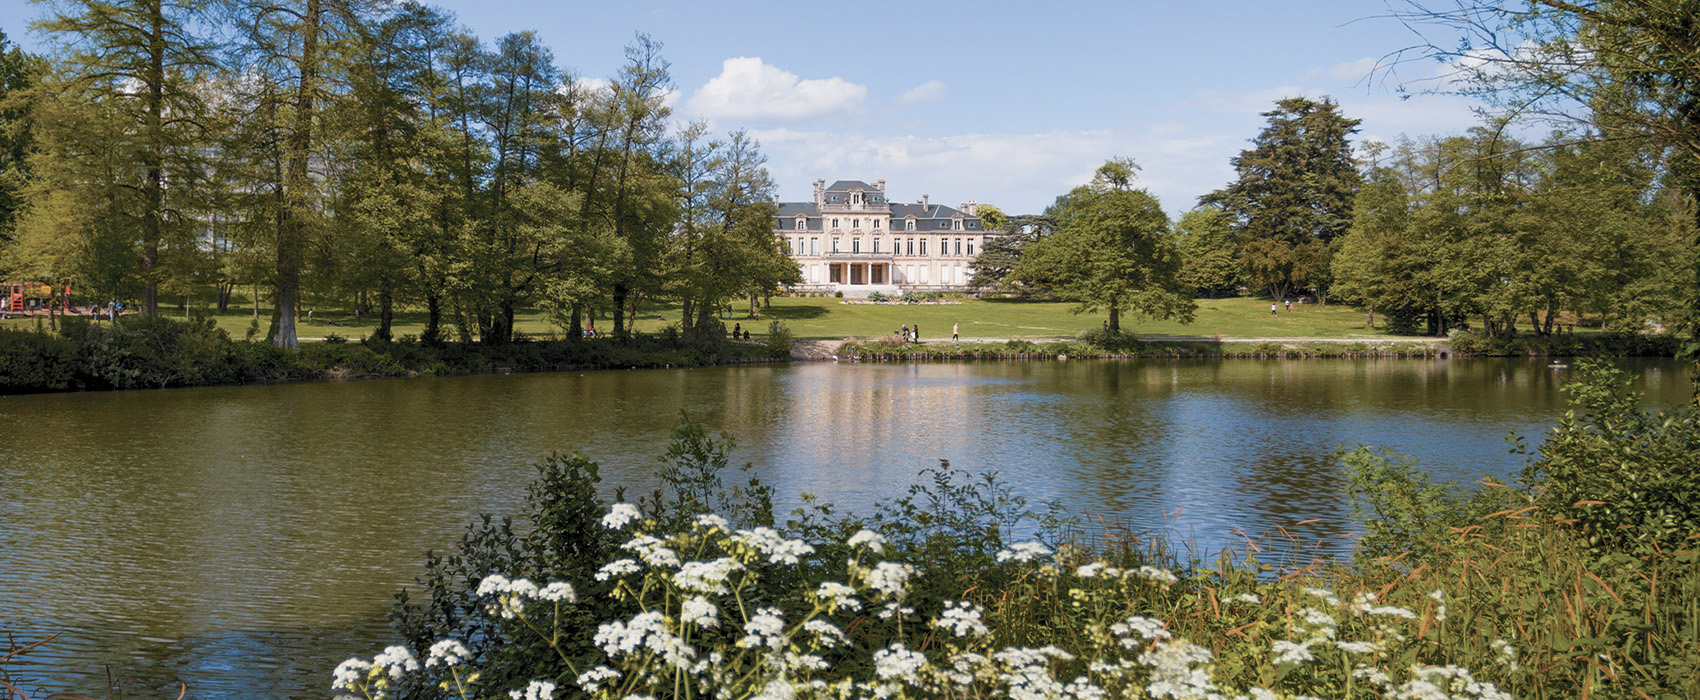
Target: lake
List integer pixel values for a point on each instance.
(243, 540)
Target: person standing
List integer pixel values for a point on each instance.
(1289, 306)
(954, 328)
(1274, 309)
(916, 330)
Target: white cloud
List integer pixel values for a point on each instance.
(925, 92)
(1354, 71)
(748, 90)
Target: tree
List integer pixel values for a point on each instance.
(1295, 185)
(1001, 252)
(1206, 243)
(145, 59)
(19, 72)
(1112, 250)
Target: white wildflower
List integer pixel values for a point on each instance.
(874, 541)
(349, 673)
(1324, 594)
(890, 578)
(1372, 674)
(1507, 654)
(1439, 596)
(619, 515)
(447, 652)
(1262, 694)
(1292, 652)
(1024, 552)
(710, 521)
(1155, 574)
(591, 681)
(707, 576)
(893, 609)
(1317, 617)
(618, 637)
(896, 661)
(963, 619)
(1358, 647)
(661, 557)
(1090, 570)
(1251, 598)
(618, 567)
(557, 592)
(778, 549)
(535, 690)
(838, 595)
(1392, 611)
(700, 612)
(765, 628)
(397, 660)
(1147, 627)
(828, 634)
(1172, 670)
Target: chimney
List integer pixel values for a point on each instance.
(924, 206)
(879, 185)
(972, 207)
(820, 192)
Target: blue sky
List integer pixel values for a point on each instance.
(1002, 102)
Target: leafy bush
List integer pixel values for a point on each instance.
(36, 361)
(878, 297)
(779, 340)
(1117, 341)
(838, 294)
(156, 352)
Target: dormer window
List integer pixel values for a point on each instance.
(802, 223)
(957, 224)
(909, 224)
(856, 198)
(835, 199)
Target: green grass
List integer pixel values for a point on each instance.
(831, 318)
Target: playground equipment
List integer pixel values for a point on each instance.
(16, 294)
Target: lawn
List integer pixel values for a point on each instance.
(832, 318)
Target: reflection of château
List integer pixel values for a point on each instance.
(852, 239)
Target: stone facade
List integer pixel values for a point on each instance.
(853, 239)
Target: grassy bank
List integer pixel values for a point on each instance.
(153, 353)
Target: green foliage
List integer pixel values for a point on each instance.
(1628, 478)
(691, 470)
(36, 361)
(1122, 341)
(138, 352)
(779, 340)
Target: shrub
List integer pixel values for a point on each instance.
(838, 294)
(779, 340)
(157, 352)
(1118, 341)
(878, 297)
(36, 361)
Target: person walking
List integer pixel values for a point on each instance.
(1289, 306)
(1274, 309)
(954, 327)
(916, 330)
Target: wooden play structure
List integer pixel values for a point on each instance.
(16, 294)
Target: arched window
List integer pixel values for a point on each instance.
(909, 224)
(802, 223)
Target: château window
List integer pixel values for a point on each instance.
(801, 223)
(876, 224)
(856, 245)
(912, 247)
(856, 224)
(958, 246)
(970, 246)
(835, 224)
(909, 225)
(923, 247)
(835, 244)
(814, 246)
(957, 224)
(876, 245)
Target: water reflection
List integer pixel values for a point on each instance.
(244, 540)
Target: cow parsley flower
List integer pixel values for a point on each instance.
(961, 618)
(349, 673)
(837, 595)
(591, 681)
(1023, 552)
(1507, 654)
(874, 541)
(893, 609)
(897, 661)
(765, 628)
(710, 521)
(1439, 596)
(447, 652)
(828, 634)
(536, 690)
(1251, 598)
(1293, 652)
(1175, 670)
(619, 515)
(1146, 627)
(1155, 574)
(1358, 647)
(397, 660)
(1372, 674)
(1090, 570)
(558, 592)
(698, 611)
(1324, 594)
(618, 567)
(778, 549)
(618, 637)
(890, 578)
(708, 577)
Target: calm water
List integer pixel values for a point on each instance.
(244, 540)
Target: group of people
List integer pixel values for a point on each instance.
(738, 328)
(1274, 309)
(912, 334)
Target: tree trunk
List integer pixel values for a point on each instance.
(386, 315)
(291, 234)
(433, 319)
(575, 327)
(1115, 319)
(619, 310)
(153, 192)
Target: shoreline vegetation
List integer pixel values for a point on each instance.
(139, 352)
(1577, 579)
